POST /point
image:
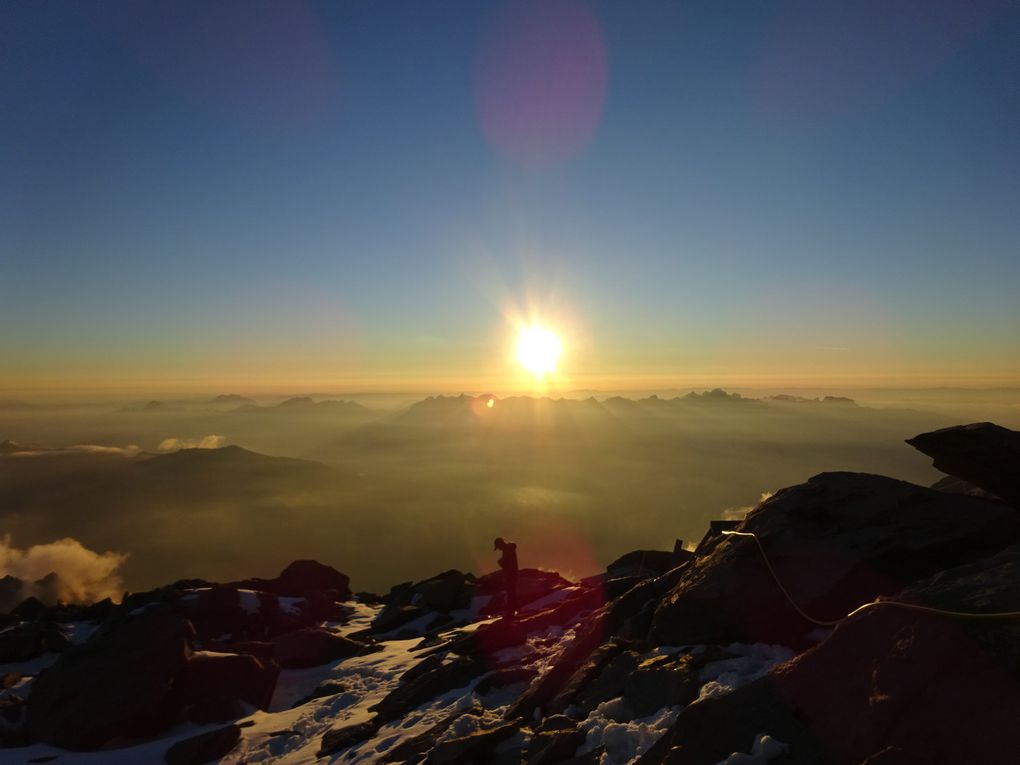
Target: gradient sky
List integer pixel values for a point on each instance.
(367, 194)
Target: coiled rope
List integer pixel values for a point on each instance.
(872, 604)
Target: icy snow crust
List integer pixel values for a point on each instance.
(290, 736)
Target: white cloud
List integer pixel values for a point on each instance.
(126, 451)
(85, 575)
(206, 442)
(123, 451)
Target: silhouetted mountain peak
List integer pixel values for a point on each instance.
(716, 394)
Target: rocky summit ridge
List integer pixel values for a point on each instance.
(731, 653)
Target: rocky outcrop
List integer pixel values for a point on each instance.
(983, 454)
(888, 683)
(837, 541)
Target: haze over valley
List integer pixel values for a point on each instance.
(222, 487)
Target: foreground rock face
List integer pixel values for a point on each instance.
(837, 541)
(889, 683)
(983, 454)
(113, 686)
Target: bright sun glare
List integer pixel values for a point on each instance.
(538, 350)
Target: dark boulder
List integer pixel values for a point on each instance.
(983, 454)
(313, 646)
(114, 685)
(837, 541)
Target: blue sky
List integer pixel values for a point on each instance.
(311, 194)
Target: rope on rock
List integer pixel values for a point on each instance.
(872, 604)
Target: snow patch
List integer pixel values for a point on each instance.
(624, 739)
(753, 661)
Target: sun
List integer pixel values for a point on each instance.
(538, 350)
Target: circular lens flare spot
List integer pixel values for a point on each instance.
(538, 350)
(541, 79)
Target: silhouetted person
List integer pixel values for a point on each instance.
(508, 563)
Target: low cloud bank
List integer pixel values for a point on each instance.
(206, 442)
(82, 575)
(14, 450)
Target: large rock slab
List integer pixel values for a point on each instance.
(313, 646)
(208, 676)
(889, 685)
(983, 454)
(837, 541)
(113, 685)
